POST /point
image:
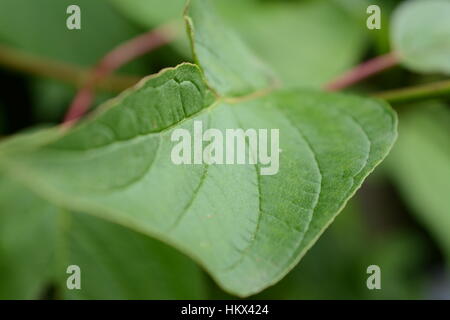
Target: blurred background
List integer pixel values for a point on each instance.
(399, 220)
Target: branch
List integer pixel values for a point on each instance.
(363, 71)
(30, 64)
(417, 93)
(113, 60)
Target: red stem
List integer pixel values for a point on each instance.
(116, 58)
(363, 71)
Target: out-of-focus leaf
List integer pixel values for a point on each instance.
(118, 263)
(303, 40)
(118, 165)
(231, 69)
(420, 165)
(39, 27)
(356, 8)
(151, 13)
(154, 13)
(381, 37)
(420, 34)
(27, 242)
(50, 99)
(38, 242)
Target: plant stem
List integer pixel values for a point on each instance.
(113, 60)
(417, 93)
(363, 71)
(28, 63)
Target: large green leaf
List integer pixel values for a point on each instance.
(421, 35)
(420, 165)
(248, 230)
(38, 241)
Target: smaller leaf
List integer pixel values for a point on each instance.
(421, 35)
(39, 27)
(39, 240)
(419, 164)
(151, 13)
(27, 242)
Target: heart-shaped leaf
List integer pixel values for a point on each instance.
(420, 34)
(247, 229)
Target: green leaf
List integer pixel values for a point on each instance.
(419, 164)
(301, 40)
(39, 27)
(356, 8)
(420, 34)
(329, 142)
(27, 243)
(38, 241)
(155, 13)
(240, 70)
(118, 263)
(151, 13)
(248, 230)
(290, 35)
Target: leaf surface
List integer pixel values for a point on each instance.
(247, 230)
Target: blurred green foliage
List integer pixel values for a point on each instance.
(420, 165)
(421, 35)
(39, 241)
(286, 34)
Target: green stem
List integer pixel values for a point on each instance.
(27, 63)
(417, 93)
(30, 64)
